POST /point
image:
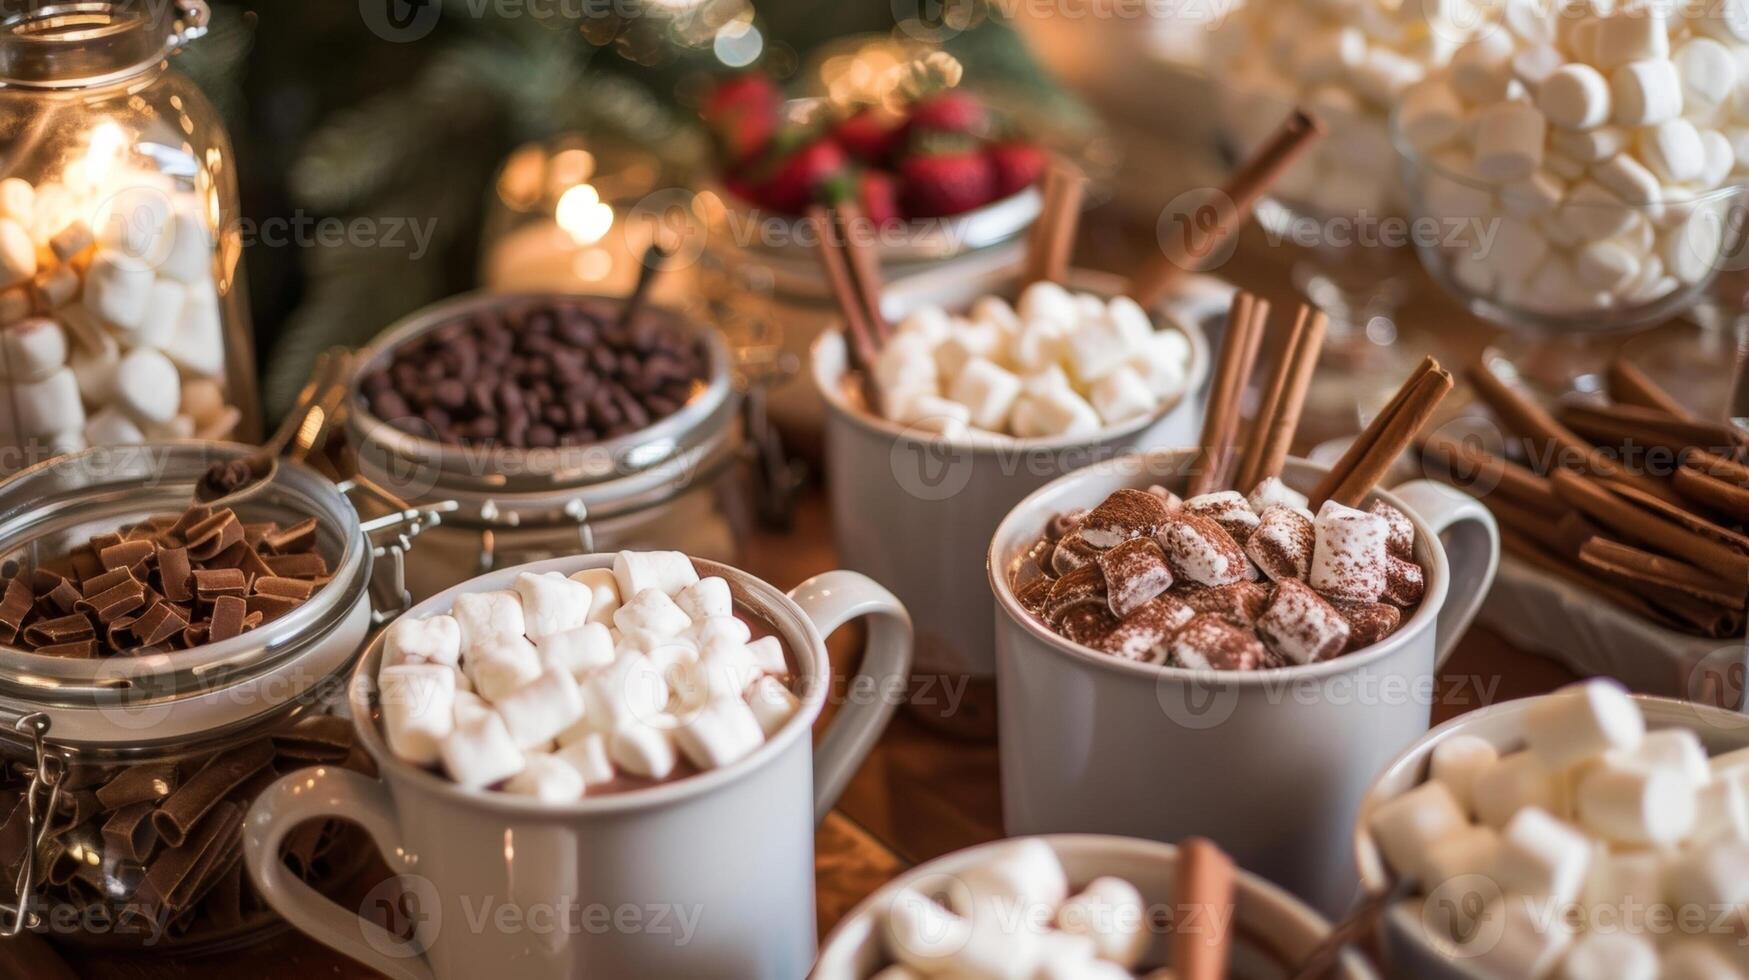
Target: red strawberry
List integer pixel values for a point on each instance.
(952, 111)
(798, 178)
(742, 113)
(1015, 166)
(878, 195)
(939, 184)
(867, 135)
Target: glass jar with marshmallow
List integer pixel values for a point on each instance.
(123, 313)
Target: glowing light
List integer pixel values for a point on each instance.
(582, 215)
(738, 44)
(102, 155)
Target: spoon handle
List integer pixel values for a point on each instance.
(330, 390)
(1359, 924)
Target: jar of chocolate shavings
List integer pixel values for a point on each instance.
(160, 664)
(556, 427)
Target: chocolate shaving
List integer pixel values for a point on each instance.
(138, 784)
(213, 535)
(304, 565)
(284, 588)
(159, 624)
(131, 832)
(230, 614)
(316, 738)
(130, 555)
(14, 608)
(175, 574)
(212, 583)
(299, 537)
(111, 603)
(185, 807)
(53, 632)
(72, 650)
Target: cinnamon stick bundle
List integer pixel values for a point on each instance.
(1616, 425)
(1385, 438)
(1278, 416)
(1725, 564)
(1628, 385)
(1220, 424)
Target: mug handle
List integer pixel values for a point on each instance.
(1473, 555)
(831, 600)
(316, 794)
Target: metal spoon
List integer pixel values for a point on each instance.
(1359, 924)
(231, 481)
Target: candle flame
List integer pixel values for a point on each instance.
(582, 215)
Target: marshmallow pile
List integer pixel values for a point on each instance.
(1599, 849)
(1346, 60)
(562, 685)
(1223, 581)
(1056, 364)
(1576, 140)
(1014, 917)
(110, 328)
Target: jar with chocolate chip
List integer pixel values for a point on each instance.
(160, 663)
(123, 309)
(556, 428)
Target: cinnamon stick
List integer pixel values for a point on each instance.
(1639, 565)
(865, 269)
(1735, 540)
(1620, 424)
(1712, 464)
(1053, 234)
(1278, 416)
(1221, 419)
(860, 346)
(1363, 442)
(1470, 467)
(1628, 385)
(1709, 491)
(1547, 440)
(1520, 546)
(1215, 221)
(1648, 529)
(1393, 438)
(1202, 934)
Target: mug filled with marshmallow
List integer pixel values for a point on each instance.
(1584, 163)
(615, 731)
(980, 397)
(1585, 833)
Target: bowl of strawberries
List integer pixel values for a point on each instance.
(937, 174)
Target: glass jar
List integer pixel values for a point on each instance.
(124, 780)
(123, 312)
(673, 485)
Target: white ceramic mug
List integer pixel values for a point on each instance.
(1271, 764)
(1411, 949)
(710, 875)
(1274, 932)
(917, 513)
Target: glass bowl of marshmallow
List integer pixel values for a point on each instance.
(1580, 165)
(1585, 833)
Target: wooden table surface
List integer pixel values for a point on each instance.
(920, 795)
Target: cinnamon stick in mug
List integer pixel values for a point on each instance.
(1203, 917)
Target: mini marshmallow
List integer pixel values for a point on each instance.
(722, 672)
(1469, 850)
(546, 778)
(539, 710)
(1574, 96)
(188, 256)
(500, 665)
(1708, 71)
(577, 650)
(1404, 582)
(603, 593)
(1607, 265)
(435, 639)
(665, 571)
(551, 603)
(994, 311)
(1348, 558)
(652, 610)
(1508, 141)
(15, 305)
(117, 289)
(772, 703)
(48, 407)
(1628, 36)
(1201, 551)
(1407, 825)
(588, 755)
(722, 732)
(630, 692)
(1676, 749)
(1721, 159)
(1162, 362)
(968, 342)
(1282, 544)
(987, 391)
(1458, 760)
(1146, 633)
(1122, 395)
(766, 653)
(1609, 956)
(1110, 912)
(1532, 66)
(1517, 781)
(147, 386)
(1045, 300)
(1054, 413)
(1692, 253)
(928, 322)
(1135, 572)
(1430, 115)
(1634, 805)
(729, 628)
(1541, 856)
(418, 703)
(17, 254)
(55, 287)
(32, 349)
(642, 750)
(93, 367)
(906, 363)
(1229, 509)
(1623, 878)
(1673, 150)
(1580, 721)
(1024, 872)
(110, 426)
(1721, 809)
(1646, 93)
(17, 199)
(163, 316)
(1271, 492)
(705, 599)
(1301, 626)
(198, 346)
(479, 751)
(1591, 145)
(1126, 513)
(487, 617)
(1710, 877)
